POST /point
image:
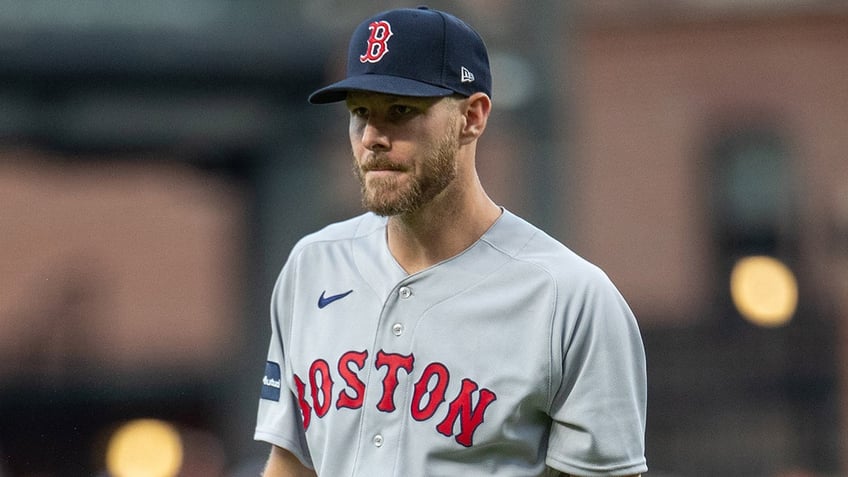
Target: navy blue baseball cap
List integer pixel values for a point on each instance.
(413, 52)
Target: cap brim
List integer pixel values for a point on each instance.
(377, 84)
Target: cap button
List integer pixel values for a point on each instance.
(423, 7)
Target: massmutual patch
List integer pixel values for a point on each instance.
(271, 382)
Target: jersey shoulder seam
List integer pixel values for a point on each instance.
(515, 256)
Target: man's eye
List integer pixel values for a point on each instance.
(402, 110)
(359, 112)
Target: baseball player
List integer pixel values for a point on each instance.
(439, 334)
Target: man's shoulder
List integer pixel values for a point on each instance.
(531, 245)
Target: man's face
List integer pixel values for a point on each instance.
(404, 149)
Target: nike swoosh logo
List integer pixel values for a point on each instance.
(324, 301)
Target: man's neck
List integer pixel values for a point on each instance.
(441, 230)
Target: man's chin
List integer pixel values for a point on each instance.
(388, 207)
(385, 210)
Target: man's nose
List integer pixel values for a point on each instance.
(374, 136)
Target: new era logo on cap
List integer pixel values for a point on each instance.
(467, 76)
(413, 52)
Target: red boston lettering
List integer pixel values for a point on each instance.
(394, 362)
(350, 377)
(320, 371)
(470, 417)
(305, 409)
(428, 393)
(437, 395)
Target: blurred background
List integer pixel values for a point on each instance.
(158, 159)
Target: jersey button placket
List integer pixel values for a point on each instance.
(404, 293)
(378, 440)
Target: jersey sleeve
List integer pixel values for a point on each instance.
(598, 408)
(279, 420)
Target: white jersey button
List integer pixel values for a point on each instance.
(397, 329)
(378, 441)
(405, 292)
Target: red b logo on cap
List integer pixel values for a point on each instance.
(381, 31)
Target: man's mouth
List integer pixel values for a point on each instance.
(381, 165)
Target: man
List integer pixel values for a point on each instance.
(439, 334)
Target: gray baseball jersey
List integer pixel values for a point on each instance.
(514, 358)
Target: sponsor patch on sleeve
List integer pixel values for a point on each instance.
(271, 382)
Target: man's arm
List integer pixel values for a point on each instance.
(283, 463)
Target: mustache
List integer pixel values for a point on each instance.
(379, 162)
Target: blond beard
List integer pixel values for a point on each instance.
(387, 196)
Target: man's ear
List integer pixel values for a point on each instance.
(476, 109)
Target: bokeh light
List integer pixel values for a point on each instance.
(145, 448)
(764, 291)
